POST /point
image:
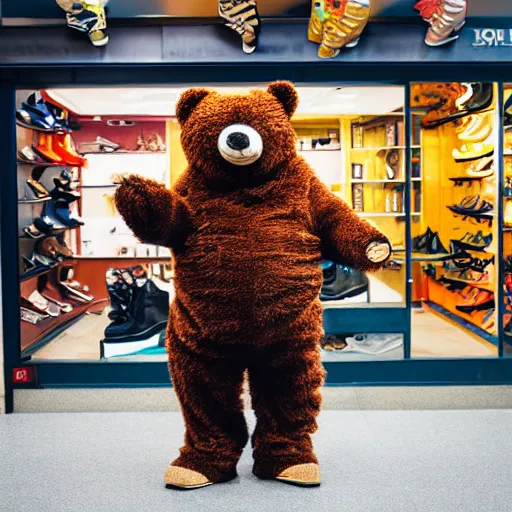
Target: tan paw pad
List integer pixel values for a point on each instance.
(301, 474)
(184, 478)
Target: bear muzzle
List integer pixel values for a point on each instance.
(239, 144)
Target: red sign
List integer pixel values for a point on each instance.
(22, 375)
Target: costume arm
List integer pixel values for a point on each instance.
(154, 213)
(345, 237)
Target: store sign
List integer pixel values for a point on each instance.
(492, 37)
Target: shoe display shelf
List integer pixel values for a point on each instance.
(376, 160)
(36, 335)
(458, 204)
(376, 180)
(36, 181)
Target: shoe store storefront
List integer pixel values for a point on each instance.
(416, 137)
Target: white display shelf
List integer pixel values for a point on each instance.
(384, 148)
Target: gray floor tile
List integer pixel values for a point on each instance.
(411, 461)
(434, 397)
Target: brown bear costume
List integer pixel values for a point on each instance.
(248, 223)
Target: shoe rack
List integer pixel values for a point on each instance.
(459, 200)
(507, 219)
(376, 180)
(114, 146)
(51, 307)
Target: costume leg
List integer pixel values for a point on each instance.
(285, 389)
(209, 391)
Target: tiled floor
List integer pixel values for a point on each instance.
(372, 461)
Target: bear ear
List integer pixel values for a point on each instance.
(286, 94)
(188, 102)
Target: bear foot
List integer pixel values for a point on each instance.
(184, 479)
(302, 475)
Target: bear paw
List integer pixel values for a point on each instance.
(183, 478)
(302, 475)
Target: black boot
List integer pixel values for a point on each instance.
(146, 318)
(341, 282)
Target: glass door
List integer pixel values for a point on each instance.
(454, 239)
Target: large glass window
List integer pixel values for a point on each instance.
(86, 280)
(454, 242)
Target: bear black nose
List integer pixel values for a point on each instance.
(238, 141)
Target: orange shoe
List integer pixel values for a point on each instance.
(63, 146)
(45, 150)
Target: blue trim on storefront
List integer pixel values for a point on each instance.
(9, 242)
(500, 218)
(412, 372)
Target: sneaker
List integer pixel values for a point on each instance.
(373, 344)
(446, 23)
(91, 19)
(344, 26)
(106, 145)
(242, 17)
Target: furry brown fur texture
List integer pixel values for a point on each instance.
(246, 242)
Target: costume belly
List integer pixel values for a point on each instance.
(247, 270)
